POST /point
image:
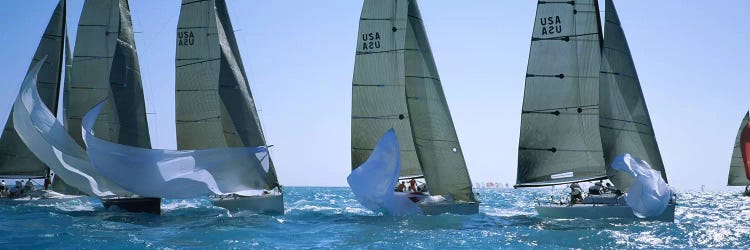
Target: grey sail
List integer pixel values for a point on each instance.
(434, 135)
(559, 140)
(379, 84)
(58, 184)
(105, 64)
(624, 120)
(16, 160)
(737, 175)
(214, 106)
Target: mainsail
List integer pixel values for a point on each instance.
(16, 160)
(737, 173)
(379, 84)
(396, 85)
(105, 63)
(560, 141)
(214, 106)
(624, 122)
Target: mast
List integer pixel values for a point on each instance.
(737, 173)
(379, 84)
(16, 160)
(214, 105)
(105, 64)
(625, 124)
(434, 134)
(559, 139)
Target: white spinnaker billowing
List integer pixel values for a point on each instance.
(649, 194)
(372, 182)
(50, 142)
(177, 173)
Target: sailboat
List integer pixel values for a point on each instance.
(396, 86)
(583, 108)
(105, 63)
(739, 167)
(16, 160)
(214, 105)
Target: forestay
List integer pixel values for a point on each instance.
(434, 135)
(737, 172)
(177, 173)
(559, 140)
(50, 142)
(624, 119)
(378, 84)
(16, 160)
(214, 105)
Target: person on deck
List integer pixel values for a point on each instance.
(29, 186)
(47, 182)
(412, 185)
(576, 194)
(401, 186)
(596, 189)
(2, 186)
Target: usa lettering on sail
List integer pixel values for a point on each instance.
(185, 38)
(551, 25)
(371, 41)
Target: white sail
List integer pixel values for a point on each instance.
(648, 194)
(372, 182)
(50, 142)
(177, 173)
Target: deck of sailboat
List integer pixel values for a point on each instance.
(598, 211)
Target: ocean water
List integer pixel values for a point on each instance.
(331, 218)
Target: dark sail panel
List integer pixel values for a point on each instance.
(378, 84)
(624, 119)
(215, 107)
(15, 158)
(439, 152)
(559, 140)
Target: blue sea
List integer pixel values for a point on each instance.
(323, 218)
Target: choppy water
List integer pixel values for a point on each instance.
(332, 218)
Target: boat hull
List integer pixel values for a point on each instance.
(598, 211)
(265, 204)
(461, 208)
(40, 196)
(134, 204)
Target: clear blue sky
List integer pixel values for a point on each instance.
(693, 59)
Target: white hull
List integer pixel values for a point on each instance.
(462, 208)
(41, 196)
(267, 204)
(598, 211)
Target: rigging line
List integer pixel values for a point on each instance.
(554, 149)
(563, 38)
(619, 74)
(561, 76)
(592, 106)
(188, 64)
(627, 130)
(380, 117)
(628, 121)
(424, 77)
(197, 120)
(196, 1)
(551, 2)
(618, 50)
(385, 51)
(376, 19)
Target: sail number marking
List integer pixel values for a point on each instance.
(550, 25)
(371, 41)
(185, 38)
